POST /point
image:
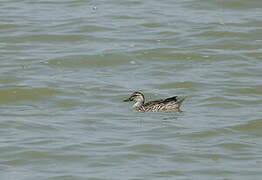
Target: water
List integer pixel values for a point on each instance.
(66, 66)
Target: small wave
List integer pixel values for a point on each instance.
(185, 84)
(254, 126)
(234, 146)
(17, 93)
(256, 90)
(86, 61)
(43, 38)
(150, 148)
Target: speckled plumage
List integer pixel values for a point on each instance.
(171, 104)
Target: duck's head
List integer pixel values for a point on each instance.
(137, 97)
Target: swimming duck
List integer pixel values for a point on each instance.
(171, 104)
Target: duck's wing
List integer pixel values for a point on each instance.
(150, 103)
(171, 99)
(161, 101)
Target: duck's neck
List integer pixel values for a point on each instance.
(138, 104)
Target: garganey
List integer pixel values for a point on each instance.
(171, 104)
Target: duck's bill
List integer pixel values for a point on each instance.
(126, 100)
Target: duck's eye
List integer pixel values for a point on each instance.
(133, 97)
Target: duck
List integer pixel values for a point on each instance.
(171, 104)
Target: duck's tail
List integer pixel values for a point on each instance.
(180, 99)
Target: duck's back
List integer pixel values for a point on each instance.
(164, 105)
